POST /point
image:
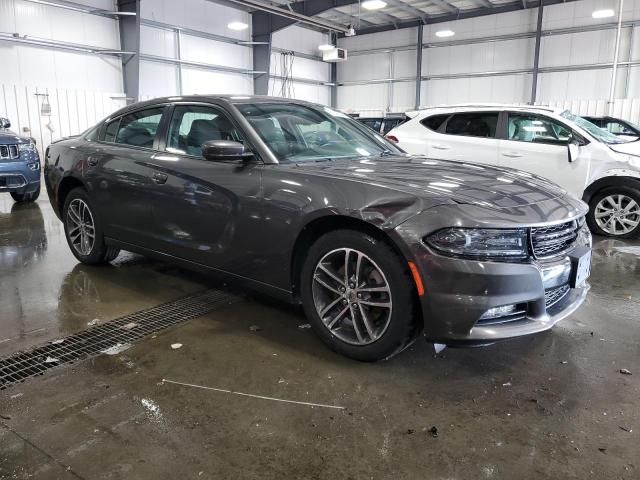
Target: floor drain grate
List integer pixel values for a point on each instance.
(20, 366)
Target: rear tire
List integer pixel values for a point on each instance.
(348, 315)
(83, 230)
(26, 197)
(615, 212)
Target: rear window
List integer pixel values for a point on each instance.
(435, 121)
(481, 124)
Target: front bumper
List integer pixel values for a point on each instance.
(17, 176)
(459, 292)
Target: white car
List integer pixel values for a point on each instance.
(591, 163)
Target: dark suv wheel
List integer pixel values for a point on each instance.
(358, 295)
(615, 212)
(83, 230)
(26, 197)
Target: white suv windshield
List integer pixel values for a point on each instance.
(599, 133)
(301, 133)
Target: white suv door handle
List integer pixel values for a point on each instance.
(512, 154)
(441, 147)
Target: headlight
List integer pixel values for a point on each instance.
(27, 147)
(478, 243)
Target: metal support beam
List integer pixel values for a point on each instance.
(333, 74)
(614, 69)
(419, 65)
(82, 8)
(536, 56)
(262, 29)
(130, 41)
(179, 57)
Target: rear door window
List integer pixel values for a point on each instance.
(473, 124)
(138, 129)
(434, 122)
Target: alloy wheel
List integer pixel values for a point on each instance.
(81, 227)
(617, 214)
(352, 296)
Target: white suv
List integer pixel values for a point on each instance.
(591, 163)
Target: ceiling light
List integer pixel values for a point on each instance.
(445, 33)
(606, 13)
(326, 46)
(238, 26)
(373, 4)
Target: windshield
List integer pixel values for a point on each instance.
(597, 132)
(300, 133)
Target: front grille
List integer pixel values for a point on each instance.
(108, 336)
(8, 152)
(553, 240)
(554, 295)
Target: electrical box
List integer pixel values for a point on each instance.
(335, 55)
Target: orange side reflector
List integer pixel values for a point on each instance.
(416, 278)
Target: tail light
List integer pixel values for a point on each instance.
(392, 138)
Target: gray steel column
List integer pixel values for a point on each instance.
(614, 70)
(333, 72)
(179, 56)
(130, 41)
(261, 34)
(419, 65)
(536, 56)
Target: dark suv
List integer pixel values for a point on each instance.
(19, 165)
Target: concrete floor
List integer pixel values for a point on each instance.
(549, 406)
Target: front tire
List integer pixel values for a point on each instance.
(358, 295)
(615, 212)
(26, 197)
(83, 230)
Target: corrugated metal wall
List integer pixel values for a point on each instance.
(485, 67)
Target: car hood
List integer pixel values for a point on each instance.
(7, 137)
(461, 182)
(630, 148)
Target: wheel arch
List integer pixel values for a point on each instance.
(610, 181)
(327, 223)
(67, 184)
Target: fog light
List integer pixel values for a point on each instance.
(496, 312)
(34, 166)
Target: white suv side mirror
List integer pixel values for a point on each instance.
(573, 151)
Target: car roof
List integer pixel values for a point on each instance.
(471, 107)
(235, 99)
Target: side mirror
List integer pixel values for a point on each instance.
(5, 123)
(573, 151)
(222, 150)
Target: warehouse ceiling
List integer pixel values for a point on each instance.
(407, 13)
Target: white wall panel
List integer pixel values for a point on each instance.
(72, 111)
(404, 63)
(200, 15)
(403, 96)
(500, 89)
(363, 97)
(392, 38)
(203, 50)
(158, 79)
(198, 81)
(302, 91)
(158, 41)
(364, 67)
(299, 39)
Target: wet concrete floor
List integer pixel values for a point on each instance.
(552, 406)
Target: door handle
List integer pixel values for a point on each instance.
(160, 178)
(441, 147)
(512, 154)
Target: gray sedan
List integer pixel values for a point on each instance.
(300, 201)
